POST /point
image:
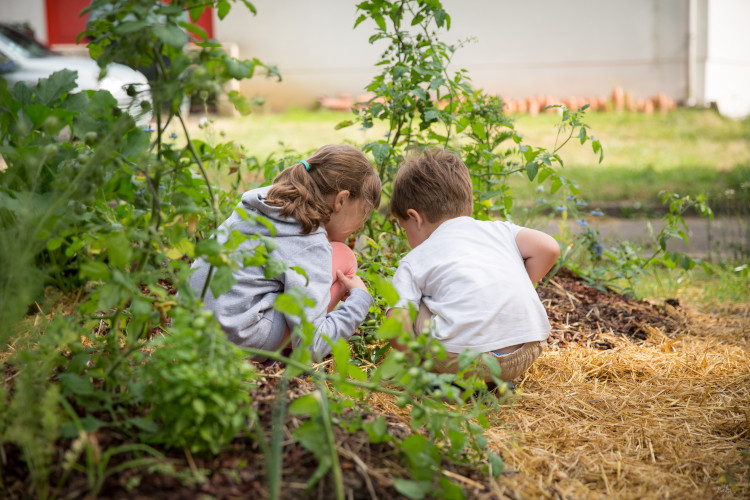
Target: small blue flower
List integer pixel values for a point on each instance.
(597, 212)
(541, 200)
(582, 222)
(581, 204)
(598, 249)
(173, 135)
(561, 208)
(149, 129)
(571, 198)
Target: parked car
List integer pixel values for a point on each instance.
(23, 59)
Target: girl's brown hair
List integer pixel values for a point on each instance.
(334, 168)
(435, 183)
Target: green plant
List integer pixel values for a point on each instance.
(197, 385)
(621, 266)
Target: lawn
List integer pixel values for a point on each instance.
(684, 151)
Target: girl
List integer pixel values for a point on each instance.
(314, 206)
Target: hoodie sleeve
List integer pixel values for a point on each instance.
(339, 323)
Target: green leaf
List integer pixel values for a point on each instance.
(286, 304)
(390, 328)
(196, 30)
(582, 135)
(380, 151)
(377, 430)
(442, 17)
(199, 406)
(399, 70)
(343, 124)
(390, 367)
(412, 489)
(54, 243)
(302, 273)
(496, 464)
(50, 90)
(492, 364)
(341, 354)
(274, 268)
(76, 384)
(437, 83)
(126, 27)
(596, 146)
(222, 281)
(531, 170)
(119, 250)
(223, 9)
(94, 270)
(431, 114)
(170, 34)
(305, 405)
(479, 130)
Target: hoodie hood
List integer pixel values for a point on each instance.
(254, 201)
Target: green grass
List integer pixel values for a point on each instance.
(684, 151)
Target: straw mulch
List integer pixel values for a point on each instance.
(662, 419)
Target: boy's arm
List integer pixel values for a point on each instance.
(539, 251)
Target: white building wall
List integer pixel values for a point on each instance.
(727, 73)
(570, 48)
(521, 48)
(26, 11)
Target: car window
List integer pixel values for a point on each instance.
(22, 45)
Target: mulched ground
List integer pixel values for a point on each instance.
(578, 313)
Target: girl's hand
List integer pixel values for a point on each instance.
(350, 283)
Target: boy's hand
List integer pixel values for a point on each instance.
(350, 283)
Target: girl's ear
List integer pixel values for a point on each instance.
(340, 199)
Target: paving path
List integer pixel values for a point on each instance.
(720, 237)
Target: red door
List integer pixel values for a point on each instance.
(64, 22)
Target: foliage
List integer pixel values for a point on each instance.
(424, 105)
(97, 208)
(620, 267)
(197, 385)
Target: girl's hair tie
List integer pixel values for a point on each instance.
(307, 165)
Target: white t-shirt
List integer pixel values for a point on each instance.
(471, 276)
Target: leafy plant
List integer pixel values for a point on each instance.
(197, 385)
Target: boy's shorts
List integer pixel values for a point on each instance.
(512, 365)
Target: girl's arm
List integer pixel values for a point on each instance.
(342, 321)
(539, 251)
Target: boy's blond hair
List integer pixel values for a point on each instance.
(435, 183)
(303, 193)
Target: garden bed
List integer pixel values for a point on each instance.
(631, 399)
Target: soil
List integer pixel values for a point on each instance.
(579, 314)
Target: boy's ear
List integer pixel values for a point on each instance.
(416, 217)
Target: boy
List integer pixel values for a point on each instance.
(472, 281)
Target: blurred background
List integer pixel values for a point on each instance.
(649, 53)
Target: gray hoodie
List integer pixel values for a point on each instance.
(246, 311)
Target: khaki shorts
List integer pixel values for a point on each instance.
(512, 365)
